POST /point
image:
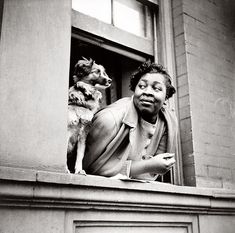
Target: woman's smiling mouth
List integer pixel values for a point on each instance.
(149, 100)
(145, 101)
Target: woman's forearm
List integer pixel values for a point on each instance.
(138, 167)
(158, 164)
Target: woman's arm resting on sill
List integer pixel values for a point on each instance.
(159, 164)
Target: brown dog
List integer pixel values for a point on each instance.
(84, 102)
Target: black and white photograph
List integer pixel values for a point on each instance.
(117, 116)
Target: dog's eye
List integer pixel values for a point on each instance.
(96, 71)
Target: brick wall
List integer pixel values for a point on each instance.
(204, 34)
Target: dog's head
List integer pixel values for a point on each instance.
(90, 72)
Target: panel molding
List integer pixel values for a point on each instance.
(150, 226)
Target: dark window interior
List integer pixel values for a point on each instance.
(118, 67)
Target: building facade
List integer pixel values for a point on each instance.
(41, 40)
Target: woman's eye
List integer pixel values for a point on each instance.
(157, 88)
(142, 86)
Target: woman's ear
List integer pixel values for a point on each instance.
(170, 92)
(166, 102)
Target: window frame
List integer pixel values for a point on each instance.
(111, 33)
(161, 47)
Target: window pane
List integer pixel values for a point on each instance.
(129, 16)
(100, 9)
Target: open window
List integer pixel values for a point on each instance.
(120, 35)
(118, 67)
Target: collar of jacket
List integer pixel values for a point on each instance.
(131, 119)
(131, 116)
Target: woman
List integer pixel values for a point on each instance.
(135, 136)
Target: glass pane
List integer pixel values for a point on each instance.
(129, 15)
(100, 9)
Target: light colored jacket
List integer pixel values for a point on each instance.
(113, 133)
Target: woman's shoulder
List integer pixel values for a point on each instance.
(118, 108)
(119, 104)
(113, 113)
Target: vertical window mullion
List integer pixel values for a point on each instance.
(155, 39)
(146, 26)
(112, 12)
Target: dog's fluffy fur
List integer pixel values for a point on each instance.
(84, 102)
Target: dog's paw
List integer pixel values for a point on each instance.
(67, 170)
(80, 172)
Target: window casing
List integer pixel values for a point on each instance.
(136, 35)
(120, 47)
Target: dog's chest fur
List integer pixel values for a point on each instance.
(84, 102)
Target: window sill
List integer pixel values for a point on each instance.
(57, 190)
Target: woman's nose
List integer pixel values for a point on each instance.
(148, 90)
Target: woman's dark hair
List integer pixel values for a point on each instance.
(149, 67)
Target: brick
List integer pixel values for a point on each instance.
(233, 175)
(181, 59)
(193, 20)
(188, 159)
(178, 30)
(193, 49)
(218, 172)
(179, 50)
(182, 80)
(201, 170)
(186, 136)
(186, 125)
(183, 90)
(199, 147)
(212, 149)
(195, 13)
(177, 11)
(184, 112)
(189, 170)
(207, 182)
(228, 184)
(183, 101)
(176, 3)
(189, 180)
(179, 40)
(181, 69)
(187, 150)
(178, 20)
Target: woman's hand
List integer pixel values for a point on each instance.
(159, 164)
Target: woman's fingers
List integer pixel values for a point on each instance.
(170, 162)
(168, 155)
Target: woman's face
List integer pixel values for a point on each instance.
(150, 95)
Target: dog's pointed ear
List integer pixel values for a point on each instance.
(82, 68)
(90, 59)
(84, 58)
